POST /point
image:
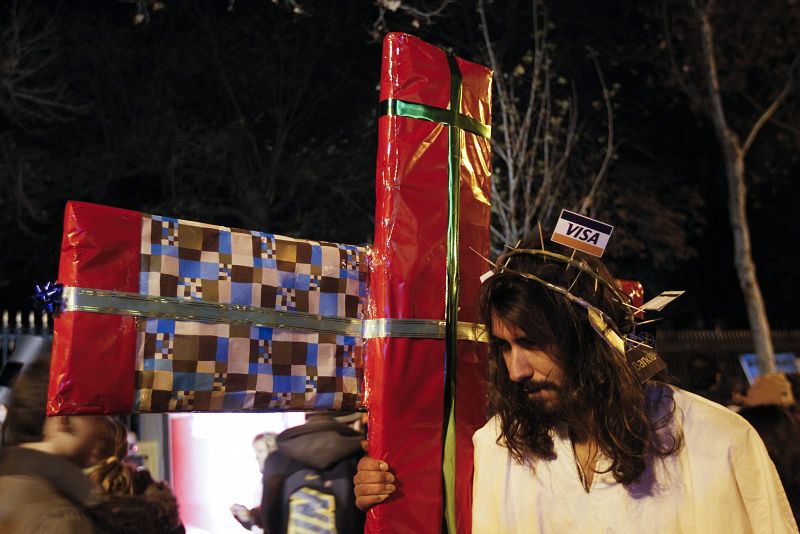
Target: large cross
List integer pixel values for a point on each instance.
(184, 316)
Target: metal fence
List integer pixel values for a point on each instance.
(679, 347)
(17, 323)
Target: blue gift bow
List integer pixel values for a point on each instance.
(50, 297)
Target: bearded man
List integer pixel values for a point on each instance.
(585, 438)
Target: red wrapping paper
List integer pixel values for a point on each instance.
(405, 377)
(635, 292)
(99, 249)
(106, 363)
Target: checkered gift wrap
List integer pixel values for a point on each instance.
(185, 365)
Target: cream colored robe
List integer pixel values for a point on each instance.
(721, 481)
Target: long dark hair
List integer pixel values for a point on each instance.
(601, 398)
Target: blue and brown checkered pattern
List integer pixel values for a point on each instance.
(193, 366)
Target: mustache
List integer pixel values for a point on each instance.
(530, 386)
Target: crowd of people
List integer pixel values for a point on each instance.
(68, 474)
(579, 439)
(71, 474)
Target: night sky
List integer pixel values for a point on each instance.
(259, 117)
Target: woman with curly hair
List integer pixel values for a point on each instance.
(131, 502)
(109, 472)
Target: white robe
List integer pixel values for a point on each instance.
(722, 480)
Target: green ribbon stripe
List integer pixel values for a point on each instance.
(403, 108)
(138, 305)
(452, 297)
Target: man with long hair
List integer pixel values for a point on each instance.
(585, 437)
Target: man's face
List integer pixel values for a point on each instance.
(532, 367)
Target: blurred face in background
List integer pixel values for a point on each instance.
(262, 452)
(78, 436)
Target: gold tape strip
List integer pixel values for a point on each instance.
(137, 305)
(421, 328)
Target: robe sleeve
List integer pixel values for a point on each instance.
(487, 487)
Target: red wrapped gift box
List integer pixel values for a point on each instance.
(404, 377)
(168, 315)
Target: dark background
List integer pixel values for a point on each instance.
(256, 116)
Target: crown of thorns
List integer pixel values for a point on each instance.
(601, 322)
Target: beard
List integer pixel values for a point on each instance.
(541, 402)
(529, 411)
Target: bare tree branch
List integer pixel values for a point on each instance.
(772, 109)
(677, 74)
(425, 15)
(538, 134)
(242, 120)
(28, 46)
(610, 146)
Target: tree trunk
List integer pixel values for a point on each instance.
(743, 259)
(734, 154)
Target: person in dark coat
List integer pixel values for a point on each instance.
(309, 479)
(42, 487)
(780, 432)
